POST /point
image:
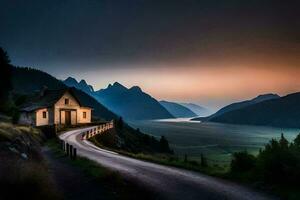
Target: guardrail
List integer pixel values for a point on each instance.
(97, 130)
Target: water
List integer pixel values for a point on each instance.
(217, 141)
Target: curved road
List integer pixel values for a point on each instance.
(167, 182)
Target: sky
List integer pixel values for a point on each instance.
(207, 52)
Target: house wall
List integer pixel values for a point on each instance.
(76, 111)
(40, 121)
(80, 118)
(73, 117)
(60, 104)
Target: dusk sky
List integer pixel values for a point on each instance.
(206, 52)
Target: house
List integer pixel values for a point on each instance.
(54, 107)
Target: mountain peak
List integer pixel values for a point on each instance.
(264, 97)
(71, 80)
(136, 88)
(83, 82)
(117, 85)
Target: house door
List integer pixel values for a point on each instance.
(68, 117)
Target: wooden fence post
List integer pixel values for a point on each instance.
(71, 151)
(68, 149)
(62, 143)
(74, 153)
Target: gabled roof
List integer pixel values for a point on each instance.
(45, 99)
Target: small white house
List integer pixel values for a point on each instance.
(54, 107)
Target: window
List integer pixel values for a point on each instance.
(44, 114)
(67, 101)
(84, 115)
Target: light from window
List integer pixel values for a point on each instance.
(66, 101)
(84, 115)
(44, 114)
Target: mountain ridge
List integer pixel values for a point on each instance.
(239, 105)
(130, 103)
(278, 112)
(177, 110)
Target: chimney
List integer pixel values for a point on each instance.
(43, 90)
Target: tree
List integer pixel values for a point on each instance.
(120, 123)
(284, 144)
(5, 76)
(164, 144)
(242, 162)
(203, 161)
(185, 158)
(297, 141)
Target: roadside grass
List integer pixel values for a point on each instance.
(10, 131)
(112, 181)
(171, 160)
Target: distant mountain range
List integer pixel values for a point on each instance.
(267, 110)
(198, 110)
(132, 103)
(239, 105)
(27, 80)
(177, 110)
(279, 112)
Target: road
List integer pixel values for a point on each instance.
(167, 182)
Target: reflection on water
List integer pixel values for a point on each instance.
(177, 120)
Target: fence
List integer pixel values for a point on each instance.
(69, 149)
(96, 130)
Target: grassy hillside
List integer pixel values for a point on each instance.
(23, 172)
(127, 139)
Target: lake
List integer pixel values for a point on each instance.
(215, 140)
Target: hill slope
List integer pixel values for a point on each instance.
(279, 112)
(239, 105)
(177, 110)
(27, 80)
(198, 110)
(131, 103)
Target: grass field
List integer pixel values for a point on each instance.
(216, 141)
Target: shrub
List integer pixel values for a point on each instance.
(242, 162)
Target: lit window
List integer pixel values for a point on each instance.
(66, 101)
(84, 115)
(44, 114)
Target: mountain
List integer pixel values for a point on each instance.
(131, 103)
(177, 110)
(82, 85)
(199, 110)
(278, 112)
(239, 105)
(27, 80)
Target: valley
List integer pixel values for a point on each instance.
(215, 140)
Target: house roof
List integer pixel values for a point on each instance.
(44, 99)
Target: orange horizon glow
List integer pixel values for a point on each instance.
(207, 85)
